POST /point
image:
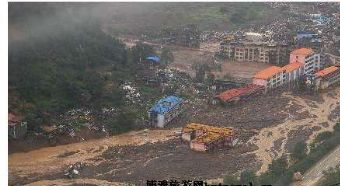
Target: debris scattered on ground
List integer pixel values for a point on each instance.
(74, 170)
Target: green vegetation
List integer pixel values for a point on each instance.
(299, 151)
(248, 176)
(230, 180)
(167, 56)
(123, 123)
(332, 177)
(201, 70)
(68, 64)
(280, 174)
(150, 18)
(315, 155)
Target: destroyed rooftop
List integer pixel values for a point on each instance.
(211, 133)
(166, 104)
(326, 71)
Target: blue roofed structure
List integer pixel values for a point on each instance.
(154, 59)
(166, 104)
(305, 34)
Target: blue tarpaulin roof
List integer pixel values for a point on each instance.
(305, 34)
(166, 104)
(153, 58)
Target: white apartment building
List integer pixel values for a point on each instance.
(308, 58)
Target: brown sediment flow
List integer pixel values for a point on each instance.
(267, 136)
(46, 159)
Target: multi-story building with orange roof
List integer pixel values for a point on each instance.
(274, 76)
(303, 61)
(292, 72)
(326, 77)
(270, 77)
(309, 58)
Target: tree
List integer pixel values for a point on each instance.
(201, 70)
(331, 177)
(124, 122)
(248, 176)
(278, 166)
(337, 127)
(210, 78)
(167, 56)
(141, 51)
(230, 180)
(61, 69)
(299, 151)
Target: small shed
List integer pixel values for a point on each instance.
(152, 61)
(165, 110)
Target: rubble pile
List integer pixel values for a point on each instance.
(131, 93)
(74, 170)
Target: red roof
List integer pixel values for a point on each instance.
(268, 72)
(326, 71)
(229, 94)
(291, 67)
(302, 51)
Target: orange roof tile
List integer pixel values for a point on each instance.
(268, 72)
(326, 71)
(291, 67)
(232, 93)
(302, 51)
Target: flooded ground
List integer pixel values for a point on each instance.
(266, 129)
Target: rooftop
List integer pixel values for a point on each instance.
(229, 94)
(291, 66)
(326, 71)
(268, 72)
(153, 59)
(302, 51)
(220, 130)
(210, 134)
(166, 104)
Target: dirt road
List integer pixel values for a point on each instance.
(315, 173)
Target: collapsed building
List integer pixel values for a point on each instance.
(16, 127)
(188, 35)
(165, 110)
(147, 71)
(238, 94)
(207, 138)
(221, 85)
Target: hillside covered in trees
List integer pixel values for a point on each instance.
(60, 62)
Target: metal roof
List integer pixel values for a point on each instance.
(326, 71)
(153, 58)
(166, 104)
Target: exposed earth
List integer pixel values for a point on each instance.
(159, 154)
